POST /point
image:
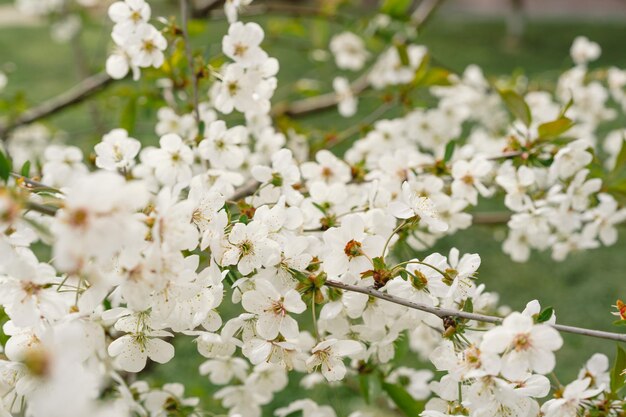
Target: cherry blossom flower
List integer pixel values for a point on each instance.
(328, 355)
(524, 345)
(273, 310)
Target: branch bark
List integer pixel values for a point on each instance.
(318, 103)
(87, 88)
(444, 312)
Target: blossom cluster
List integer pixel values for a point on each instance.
(229, 234)
(138, 44)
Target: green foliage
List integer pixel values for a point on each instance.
(25, 170)
(516, 105)
(545, 315)
(555, 128)
(617, 378)
(401, 398)
(5, 166)
(397, 9)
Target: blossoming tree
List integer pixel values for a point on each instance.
(277, 254)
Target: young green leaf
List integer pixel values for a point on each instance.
(544, 315)
(409, 405)
(617, 378)
(25, 170)
(517, 106)
(5, 166)
(449, 151)
(396, 8)
(555, 128)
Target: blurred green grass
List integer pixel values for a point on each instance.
(581, 289)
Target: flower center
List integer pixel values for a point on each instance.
(240, 49)
(353, 249)
(521, 342)
(246, 247)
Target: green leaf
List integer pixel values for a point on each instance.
(617, 379)
(25, 170)
(129, 115)
(243, 219)
(379, 263)
(403, 54)
(468, 306)
(409, 405)
(364, 385)
(620, 162)
(447, 156)
(545, 315)
(435, 76)
(555, 128)
(619, 323)
(396, 8)
(5, 166)
(516, 105)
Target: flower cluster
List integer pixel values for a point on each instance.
(138, 44)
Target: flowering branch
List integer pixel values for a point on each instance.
(442, 313)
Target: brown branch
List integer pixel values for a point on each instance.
(318, 103)
(87, 88)
(442, 313)
(491, 218)
(424, 12)
(245, 190)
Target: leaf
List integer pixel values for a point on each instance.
(409, 405)
(396, 8)
(435, 76)
(379, 264)
(25, 170)
(517, 106)
(620, 162)
(545, 315)
(5, 166)
(364, 385)
(617, 379)
(447, 156)
(555, 128)
(619, 323)
(403, 54)
(468, 306)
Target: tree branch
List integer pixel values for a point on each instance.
(87, 88)
(444, 312)
(318, 103)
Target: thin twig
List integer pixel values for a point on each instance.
(245, 190)
(87, 88)
(445, 312)
(489, 218)
(424, 12)
(33, 185)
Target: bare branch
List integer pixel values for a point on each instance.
(490, 218)
(424, 11)
(245, 190)
(444, 312)
(318, 103)
(87, 88)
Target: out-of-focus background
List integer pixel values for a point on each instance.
(501, 36)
